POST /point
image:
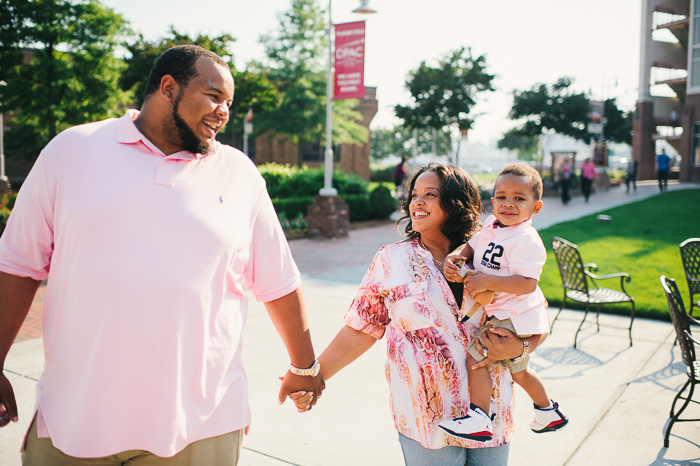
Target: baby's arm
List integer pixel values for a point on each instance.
(455, 260)
(515, 284)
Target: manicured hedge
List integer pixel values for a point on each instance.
(285, 181)
(362, 206)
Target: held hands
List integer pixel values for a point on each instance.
(302, 400)
(303, 390)
(8, 405)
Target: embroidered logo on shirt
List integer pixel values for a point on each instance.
(221, 199)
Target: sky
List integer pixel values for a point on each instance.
(595, 42)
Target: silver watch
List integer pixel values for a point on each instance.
(526, 349)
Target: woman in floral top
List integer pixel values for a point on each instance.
(405, 296)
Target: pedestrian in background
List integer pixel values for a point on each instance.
(399, 174)
(565, 174)
(631, 178)
(149, 232)
(662, 166)
(588, 175)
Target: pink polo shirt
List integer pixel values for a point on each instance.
(148, 260)
(588, 171)
(514, 250)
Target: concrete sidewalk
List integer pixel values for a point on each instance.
(616, 396)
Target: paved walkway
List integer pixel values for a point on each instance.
(617, 397)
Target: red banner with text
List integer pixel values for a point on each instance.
(349, 78)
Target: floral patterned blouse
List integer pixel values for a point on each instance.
(405, 296)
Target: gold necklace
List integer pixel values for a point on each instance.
(440, 264)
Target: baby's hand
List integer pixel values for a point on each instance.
(452, 267)
(475, 283)
(302, 400)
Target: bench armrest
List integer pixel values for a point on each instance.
(624, 278)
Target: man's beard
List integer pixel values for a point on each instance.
(189, 141)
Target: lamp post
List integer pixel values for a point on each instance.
(328, 189)
(3, 178)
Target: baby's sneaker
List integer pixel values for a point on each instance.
(548, 419)
(476, 425)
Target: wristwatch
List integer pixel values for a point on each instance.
(526, 349)
(310, 372)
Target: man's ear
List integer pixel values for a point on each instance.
(169, 88)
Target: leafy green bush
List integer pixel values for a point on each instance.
(295, 226)
(381, 173)
(382, 202)
(358, 204)
(284, 181)
(293, 206)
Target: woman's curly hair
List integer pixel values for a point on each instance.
(459, 198)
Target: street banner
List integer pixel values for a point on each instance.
(349, 77)
(595, 117)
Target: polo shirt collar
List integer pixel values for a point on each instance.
(128, 133)
(506, 232)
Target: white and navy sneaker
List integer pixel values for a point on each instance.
(476, 425)
(548, 419)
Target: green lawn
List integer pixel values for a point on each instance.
(642, 240)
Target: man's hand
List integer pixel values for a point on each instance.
(296, 383)
(7, 399)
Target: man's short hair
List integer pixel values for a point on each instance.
(527, 172)
(178, 62)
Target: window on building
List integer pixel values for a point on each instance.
(695, 46)
(696, 143)
(314, 152)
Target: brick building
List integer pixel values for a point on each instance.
(670, 56)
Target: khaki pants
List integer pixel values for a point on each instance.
(223, 450)
(507, 324)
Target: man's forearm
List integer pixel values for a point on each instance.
(288, 314)
(16, 296)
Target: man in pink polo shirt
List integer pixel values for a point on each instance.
(149, 232)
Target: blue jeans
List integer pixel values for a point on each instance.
(415, 454)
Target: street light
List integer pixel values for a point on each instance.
(3, 178)
(328, 189)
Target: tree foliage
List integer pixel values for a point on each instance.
(552, 107)
(524, 145)
(296, 66)
(618, 123)
(442, 96)
(399, 141)
(557, 108)
(57, 58)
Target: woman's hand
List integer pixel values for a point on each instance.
(302, 400)
(451, 267)
(498, 344)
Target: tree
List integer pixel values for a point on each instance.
(442, 96)
(618, 124)
(59, 64)
(252, 91)
(298, 69)
(524, 144)
(556, 108)
(398, 141)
